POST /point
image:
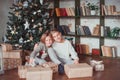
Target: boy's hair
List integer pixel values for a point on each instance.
(54, 31)
(43, 37)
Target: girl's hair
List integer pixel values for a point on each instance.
(43, 37)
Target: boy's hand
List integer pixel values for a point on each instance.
(76, 61)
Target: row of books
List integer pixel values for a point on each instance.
(84, 49)
(83, 30)
(84, 11)
(109, 51)
(65, 11)
(65, 30)
(109, 10)
(97, 31)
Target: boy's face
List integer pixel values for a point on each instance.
(48, 41)
(57, 36)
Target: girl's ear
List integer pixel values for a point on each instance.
(60, 33)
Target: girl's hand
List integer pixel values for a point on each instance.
(31, 61)
(76, 61)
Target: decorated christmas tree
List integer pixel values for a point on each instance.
(28, 20)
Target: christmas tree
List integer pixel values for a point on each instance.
(28, 20)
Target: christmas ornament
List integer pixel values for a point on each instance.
(21, 40)
(25, 4)
(34, 26)
(44, 21)
(12, 32)
(39, 11)
(34, 13)
(26, 25)
(39, 24)
(32, 20)
(41, 1)
(10, 27)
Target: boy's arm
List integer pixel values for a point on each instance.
(72, 52)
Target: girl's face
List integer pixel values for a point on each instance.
(48, 41)
(57, 36)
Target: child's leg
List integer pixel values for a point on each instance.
(39, 61)
(53, 56)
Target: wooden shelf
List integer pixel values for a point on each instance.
(78, 21)
(88, 36)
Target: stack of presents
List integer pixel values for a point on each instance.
(12, 59)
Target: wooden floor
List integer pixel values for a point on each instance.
(111, 72)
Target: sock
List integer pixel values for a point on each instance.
(61, 69)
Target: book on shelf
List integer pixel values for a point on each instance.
(57, 11)
(95, 51)
(96, 30)
(109, 51)
(108, 10)
(83, 30)
(86, 30)
(65, 11)
(78, 11)
(83, 10)
(65, 30)
(102, 31)
(78, 30)
(72, 11)
(82, 48)
(106, 31)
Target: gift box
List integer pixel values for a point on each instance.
(78, 70)
(9, 63)
(97, 65)
(51, 65)
(22, 70)
(12, 54)
(6, 47)
(39, 74)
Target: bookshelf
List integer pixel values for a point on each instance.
(86, 20)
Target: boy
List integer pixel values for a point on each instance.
(64, 50)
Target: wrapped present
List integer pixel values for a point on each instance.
(78, 70)
(22, 70)
(97, 65)
(39, 74)
(6, 47)
(12, 54)
(52, 65)
(9, 63)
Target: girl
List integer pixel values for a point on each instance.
(44, 47)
